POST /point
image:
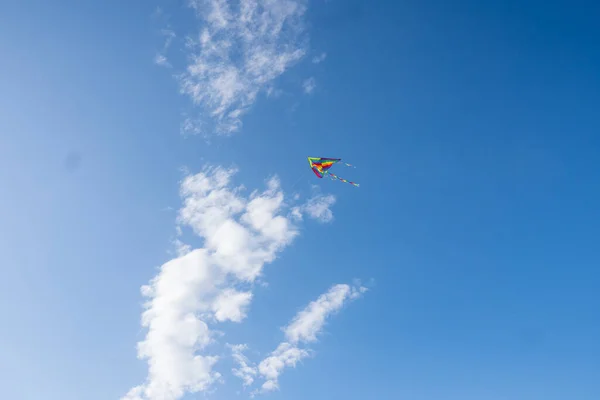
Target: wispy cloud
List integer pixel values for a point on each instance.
(308, 323)
(309, 85)
(209, 285)
(317, 207)
(285, 355)
(242, 48)
(157, 13)
(320, 58)
(168, 37)
(161, 60)
(244, 370)
(304, 328)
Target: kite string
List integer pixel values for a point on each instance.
(297, 180)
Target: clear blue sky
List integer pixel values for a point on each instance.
(475, 130)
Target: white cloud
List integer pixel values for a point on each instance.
(320, 58)
(245, 371)
(231, 305)
(286, 355)
(176, 332)
(161, 60)
(317, 207)
(181, 248)
(296, 213)
(241, 246)
(169, 35)
(309, 322)
(303, 329)
(309, 85)
(241, 234)
(244, 45)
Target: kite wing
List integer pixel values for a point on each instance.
(320, 165)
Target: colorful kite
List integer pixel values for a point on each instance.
(320, 166)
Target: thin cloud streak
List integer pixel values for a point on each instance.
(304, 328)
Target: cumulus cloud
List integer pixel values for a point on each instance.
(304, 328)
(176, 332)
(309, 85)
(243, 46)
(201, 286)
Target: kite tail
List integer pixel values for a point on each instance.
(334, 177)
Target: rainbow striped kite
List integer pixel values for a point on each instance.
(320, 166)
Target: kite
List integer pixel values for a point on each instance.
(320, 166)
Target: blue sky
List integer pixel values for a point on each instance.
(466, 259)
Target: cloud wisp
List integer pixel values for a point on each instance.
(245, 370)
(242, 47)
(160, 58)
(309, 85)
(320, 58)
(317, 207)
(208, 285)
(304, 329)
